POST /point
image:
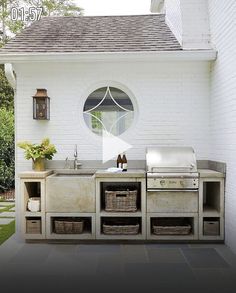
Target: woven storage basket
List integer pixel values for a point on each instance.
(121, 201)
(171, 227)
(33, 226)
(59, 227)
(120, 228)
(69, 226)
(78, 227)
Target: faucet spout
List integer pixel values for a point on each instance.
(76, 152)
(76, 162)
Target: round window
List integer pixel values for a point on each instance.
(108, 109)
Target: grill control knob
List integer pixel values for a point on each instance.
(182, 183)
(162, 182)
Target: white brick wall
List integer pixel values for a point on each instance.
(195, 22)
(172, 101)
(188, 19)
(174, 18)
(223, 102)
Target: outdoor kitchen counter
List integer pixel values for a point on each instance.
(133, 173)
(207, 173)
(35, 175)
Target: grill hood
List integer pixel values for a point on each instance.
(165, 159)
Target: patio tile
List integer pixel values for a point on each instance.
(204, 258)
(111, 265)
(32, 253)
(6, 204)
(135, 257)
(164, 271)
(163, 277)
(130, 248)
(164, 246)
(216, 280)
(5, 221)
(205, 245)
(134, 254)
(99, 248)
(166, 256)
(228, 255)
(65, 248)
(70, 265)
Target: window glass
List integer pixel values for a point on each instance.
(108, 109)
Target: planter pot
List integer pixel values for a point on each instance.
(39, 165)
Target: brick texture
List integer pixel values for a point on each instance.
(189, 21)
(223, 102)
(171, 104)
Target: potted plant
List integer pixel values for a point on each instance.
(38, 153)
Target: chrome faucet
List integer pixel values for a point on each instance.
(67, 164)
(76, 162)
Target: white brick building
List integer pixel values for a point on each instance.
(182, 96)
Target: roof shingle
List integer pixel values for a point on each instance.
(136, 33)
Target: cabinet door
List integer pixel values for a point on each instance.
(172, 201)
(70, 194)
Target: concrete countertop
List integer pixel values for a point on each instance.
(207, 173)
(34, 174)
(132, 173)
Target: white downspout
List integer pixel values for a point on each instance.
(10, 75)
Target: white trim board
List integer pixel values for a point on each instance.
(182, 55)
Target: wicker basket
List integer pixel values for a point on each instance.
(120, 227)
(68, 226)
(33, 226)
(121, 201)
(171, 227)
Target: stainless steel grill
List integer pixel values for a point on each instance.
(171, 168)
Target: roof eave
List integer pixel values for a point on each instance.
(181, 55)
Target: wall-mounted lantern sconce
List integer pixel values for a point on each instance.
(41, 105)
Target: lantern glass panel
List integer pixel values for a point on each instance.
(41, 108)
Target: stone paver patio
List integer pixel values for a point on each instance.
(8, 214)
(6, 204)
(117, 267)
(5, 221)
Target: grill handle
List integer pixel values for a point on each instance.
(172, 190)
(173, 167)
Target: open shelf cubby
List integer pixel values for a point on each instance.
(211, 226)
(172, 226)
(119, 186)
(121, 227)
(32, 190)
(70, 226)
(211, 197)
(33, 227)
